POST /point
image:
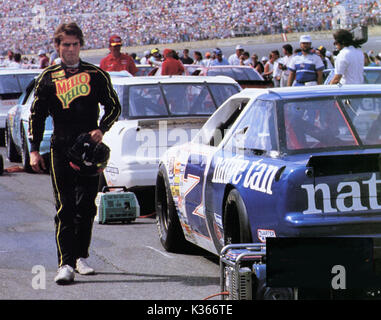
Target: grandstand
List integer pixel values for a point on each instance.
(27, 26)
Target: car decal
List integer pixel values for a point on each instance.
(199, 211)
(346, 190)
(185, 183)
(259, 176)
(265, 233)
(189, 184)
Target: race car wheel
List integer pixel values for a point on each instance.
(236, 222)
(12, 153)
(25, 159)
(167, 220)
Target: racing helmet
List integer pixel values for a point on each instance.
(88, 157)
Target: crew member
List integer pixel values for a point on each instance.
(306, 67)
(117, 61)
(349, 63)
(71, 93)
(171, 65)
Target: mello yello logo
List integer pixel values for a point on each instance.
(69, 89)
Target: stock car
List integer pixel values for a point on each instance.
(144, 70)
(372, 75)
(157, 112)
(17, 122)
(12, 84)
(246, 76)
(281, 162)
(16, 130)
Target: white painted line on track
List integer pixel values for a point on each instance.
(162, 253)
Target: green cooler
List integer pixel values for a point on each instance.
(116, 204)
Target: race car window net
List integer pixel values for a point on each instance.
(165, 100)
(335, 122)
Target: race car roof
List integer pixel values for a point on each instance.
(170, 79)
(5, 71)
(310, 91)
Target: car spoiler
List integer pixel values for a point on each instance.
(343, 164)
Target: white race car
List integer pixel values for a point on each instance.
(12, 84)
(157, 112)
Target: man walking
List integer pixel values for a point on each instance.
(71, 92)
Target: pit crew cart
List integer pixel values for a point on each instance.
(243, 274)
(336, 268)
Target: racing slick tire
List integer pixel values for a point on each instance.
(170, 232)
(12, 154)
(235, 220)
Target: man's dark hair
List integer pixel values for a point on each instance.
(288, 48)
(345, 38)
(274, 52)
(71, 29)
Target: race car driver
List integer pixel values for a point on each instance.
(70, 92)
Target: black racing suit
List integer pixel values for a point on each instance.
(71, 96)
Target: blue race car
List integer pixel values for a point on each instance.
(16, 131)
(282, 162)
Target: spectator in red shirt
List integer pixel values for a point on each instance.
(117, 61)
(171, 64)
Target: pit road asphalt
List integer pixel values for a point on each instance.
(129, 260)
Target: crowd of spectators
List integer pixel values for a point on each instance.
(27, 26)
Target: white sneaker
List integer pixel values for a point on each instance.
(65, 275)
(83, 268)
